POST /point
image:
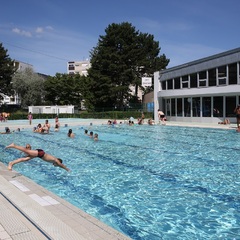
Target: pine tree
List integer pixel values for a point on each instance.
(120, 59)
(6, 71)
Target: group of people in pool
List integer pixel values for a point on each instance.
(57, 162)
(29, 153)
(91, 135)
(45, 128)
(140, 120)
(8, 131)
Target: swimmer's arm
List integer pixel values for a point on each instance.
(61, 165)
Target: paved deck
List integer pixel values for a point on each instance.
(29, 211)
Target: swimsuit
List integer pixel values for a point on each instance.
(40, 153)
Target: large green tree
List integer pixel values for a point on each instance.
(29, 86)
(149, 60)
(122, 56)
(6, 71)
(63, 89)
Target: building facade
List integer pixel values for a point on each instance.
(21, 66)
(78, 67)
(205, 90)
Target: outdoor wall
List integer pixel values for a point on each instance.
(148, 102)
(51, 109)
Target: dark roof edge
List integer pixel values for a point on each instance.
(201, 60)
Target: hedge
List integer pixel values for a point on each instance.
(85, 115)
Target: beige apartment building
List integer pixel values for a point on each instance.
(78, 67)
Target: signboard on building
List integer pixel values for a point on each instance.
(146, 81)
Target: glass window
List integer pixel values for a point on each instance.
(196, 107)
(71, 67)
(230, 106)
(187, 107)
(170, 84)
(163, 105)
(222, 75)
(218, 106)
(212, 77)
(177, 83)
(206, 107)
(179, 107)
(193, 80)
(232, 68)
(185, 82)
(238, 71)
(202, 83)
(173, 105)
(163, 85)
(203, 75)
(168, 107)
(202, 79)
(222, 81)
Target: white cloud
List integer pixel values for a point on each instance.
(22, 32)
(42, 29)
(39, 30)
(49, 28)
(16, 30)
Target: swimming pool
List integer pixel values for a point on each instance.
(149, 182)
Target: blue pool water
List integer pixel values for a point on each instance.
(149, 182)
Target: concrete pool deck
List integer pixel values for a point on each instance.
(29, 211)
(13, 125)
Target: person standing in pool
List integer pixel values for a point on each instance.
(30, 118)
(237, 112)
(46, 127)
(57, 123)
(91, 134)
(95, 137)
(57, 162)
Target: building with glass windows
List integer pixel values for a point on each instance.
(205, 90)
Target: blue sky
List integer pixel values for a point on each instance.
(49, 33)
